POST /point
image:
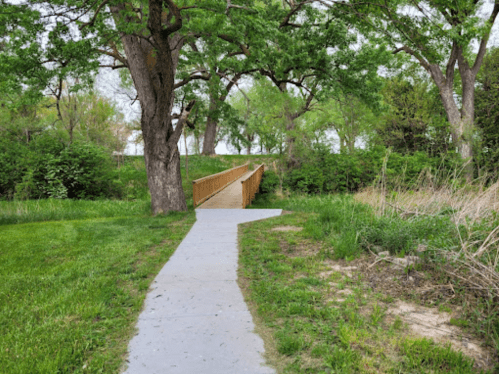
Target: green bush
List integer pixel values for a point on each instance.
(269, 183)
(14, 158)
(80, 170)
(47, 167)
(320, 171)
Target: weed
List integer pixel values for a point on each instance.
(425, 354)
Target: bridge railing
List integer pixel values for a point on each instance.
(251, 185)
(204, 188)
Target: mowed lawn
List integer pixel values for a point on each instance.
(74, 273)
(71, 291)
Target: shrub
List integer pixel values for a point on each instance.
(54, 169)
(322, 171)
(308, 178)
(269, 183)
(14, 158)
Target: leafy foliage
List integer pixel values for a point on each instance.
(415, 120)
(321, 171)
(54, 169)
(269, 183)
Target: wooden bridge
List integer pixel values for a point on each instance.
(230, 189)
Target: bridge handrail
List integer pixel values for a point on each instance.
(251, 185)
(206, 187)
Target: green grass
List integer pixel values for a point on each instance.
(353, 228)
(71, 291)
(75, 273)
(12, 212)
(306, 330)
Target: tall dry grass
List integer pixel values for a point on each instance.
(468, 204)
(472, 207)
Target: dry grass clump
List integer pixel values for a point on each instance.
(475, 261)
(468, 204)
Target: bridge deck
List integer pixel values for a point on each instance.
(231, 197)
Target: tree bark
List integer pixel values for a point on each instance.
(290, 140)
(211, 131)
(250, 139)
(186, 158)
(461, 120)
(152, 61)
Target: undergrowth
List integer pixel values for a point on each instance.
(295, 300)
(461, 249)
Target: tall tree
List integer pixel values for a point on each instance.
(315, 55)
(438, 35)
(53, 40)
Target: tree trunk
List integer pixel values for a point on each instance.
(351, 145)
(461, 121)
(163, 173)
(153, 73)
(186, 158)
(342, 144)
(250, 139)
(290, 141)
(210, 133)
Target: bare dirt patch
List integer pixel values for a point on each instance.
(431, 323)
(339, 266)
(303, 248)
(403, 289)
(287, 228)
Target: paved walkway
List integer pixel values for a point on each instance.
(231, 197)
(195, 320)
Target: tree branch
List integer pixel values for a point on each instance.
(408, 50)
(174, 138)
(191, 78)
(177, 25)
(113, 66)
(285, 21)
(115, 55)
(230, 39)
(485, 39)
(449, 71)
(97, 11)
(230, 6)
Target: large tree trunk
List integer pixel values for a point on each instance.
(210, 133)
(153, 73)
(250, 139)
(164, 180)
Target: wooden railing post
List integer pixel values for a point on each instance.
(251, 185)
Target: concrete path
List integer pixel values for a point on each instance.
(231, 197)
(195, 320)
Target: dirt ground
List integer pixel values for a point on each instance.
(412, 296)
